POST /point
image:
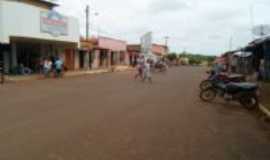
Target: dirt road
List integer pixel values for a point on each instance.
(112, 117)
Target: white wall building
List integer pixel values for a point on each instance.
(30, 30)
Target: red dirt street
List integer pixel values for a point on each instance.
(113, 117)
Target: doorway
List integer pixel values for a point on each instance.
(81, 59)
(69, 59)
(91, 59)
(28, 55)
(113, 58)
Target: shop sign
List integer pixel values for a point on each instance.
(53, 23)
(146, 43)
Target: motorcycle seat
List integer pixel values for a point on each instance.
(242, 86)
(236, 78)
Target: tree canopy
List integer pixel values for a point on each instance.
(193, 58)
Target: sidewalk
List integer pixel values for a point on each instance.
(265, 94)
(68, 74)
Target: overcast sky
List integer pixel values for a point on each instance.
(198, 26)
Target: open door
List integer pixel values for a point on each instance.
(69, 59)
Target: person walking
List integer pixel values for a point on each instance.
(147, 71)
(140, 67)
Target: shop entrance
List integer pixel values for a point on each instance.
(69, 59)
(29, 56)
(103, 62)
(81, 59)
(113, 54)
(91, 59)
(83, 62)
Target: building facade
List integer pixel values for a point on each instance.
(31, 31)
(103, 52)
(158, 50)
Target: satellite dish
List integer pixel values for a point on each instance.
(261, 30)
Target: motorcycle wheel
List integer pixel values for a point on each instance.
(208, 95)
(205, 84)
(250, 102)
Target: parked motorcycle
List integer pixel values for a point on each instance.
(223, 78)
(245, 93)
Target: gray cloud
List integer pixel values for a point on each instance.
(202, 26)
(223, 15)
(160, 6)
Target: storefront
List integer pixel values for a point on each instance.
(109, 52)
(134, 50)
(158, 50)
(42, 33)
(86, 54)
(260, 50)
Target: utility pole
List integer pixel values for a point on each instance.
(251, 14)
(166, 43)
(166, 40)
(87, 11)
(230, 43)
(262, 31)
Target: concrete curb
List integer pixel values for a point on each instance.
(67, 75)
(264, 110)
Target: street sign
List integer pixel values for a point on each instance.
(261, 30)
(146, 43)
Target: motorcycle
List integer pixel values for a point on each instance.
(160, 67)
(245, 93)
(220, 78)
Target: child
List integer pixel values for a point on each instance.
(147, 71)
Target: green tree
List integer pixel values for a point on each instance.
(172, 56)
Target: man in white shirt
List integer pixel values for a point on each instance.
(47, 66)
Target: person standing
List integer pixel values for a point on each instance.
(47, 66)
(58, 67)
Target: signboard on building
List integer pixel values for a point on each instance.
(112, 44)
(146, 43)
(53, 23)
